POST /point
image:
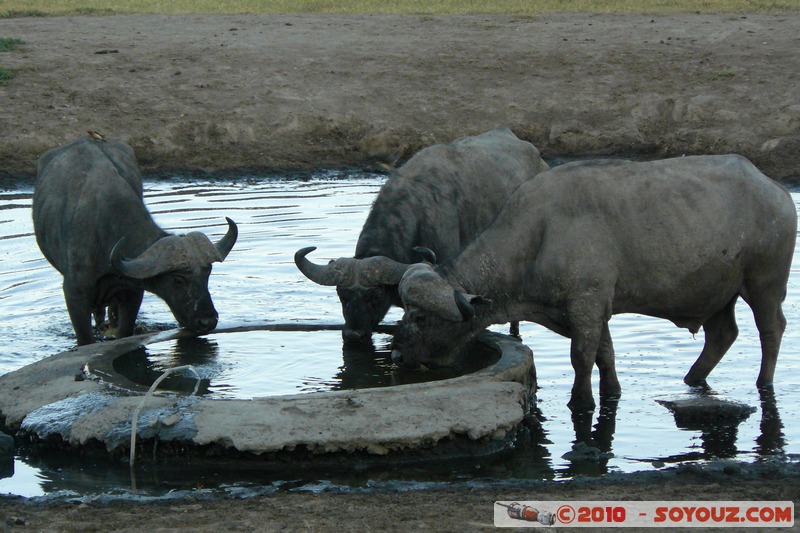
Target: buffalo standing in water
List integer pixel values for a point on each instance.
(441, 199)
(680, 239)
(93, 227)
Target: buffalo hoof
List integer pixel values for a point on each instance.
(581, 405)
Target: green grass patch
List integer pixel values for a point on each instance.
(14, 8)
(19, 13)
(724, 73)
(6, 75)
(9, 43)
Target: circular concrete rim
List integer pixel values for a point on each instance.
(104, 366)
(76, 398)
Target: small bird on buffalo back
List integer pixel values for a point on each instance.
(96, 136)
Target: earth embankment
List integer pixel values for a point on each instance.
(296, 92)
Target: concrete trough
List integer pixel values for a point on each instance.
(76, 400)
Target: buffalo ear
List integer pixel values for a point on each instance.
(479, 300)
(426, 253)
(465, 302)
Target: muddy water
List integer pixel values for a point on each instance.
(258, 284)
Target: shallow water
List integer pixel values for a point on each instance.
(259, 284)
(261, 362)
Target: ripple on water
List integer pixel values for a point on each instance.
(259, 284)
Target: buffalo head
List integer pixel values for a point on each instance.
(176, 268)
(438, 320)
(367, 288)
(363, 309)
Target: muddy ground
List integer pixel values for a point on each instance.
(214, 94)
(245, 93)
(456, 509)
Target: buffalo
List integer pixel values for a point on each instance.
(680, 239)
(440, 199)
(92, 225)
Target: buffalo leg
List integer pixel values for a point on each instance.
(113, 315)
(128, 308)
(99, 315)
(609, 383)
(771, 324)
(583, 354)
(720, 332)
(80, 314)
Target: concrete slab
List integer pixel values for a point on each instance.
(706, 411)
(76, 399)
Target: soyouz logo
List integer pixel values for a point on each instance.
(703, 514)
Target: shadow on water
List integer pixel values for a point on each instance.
(225, 372)
(528, 457)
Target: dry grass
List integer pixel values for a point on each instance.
(14, 8)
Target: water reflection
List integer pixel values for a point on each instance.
(197, 352)
(772, 440)
(528, 457)
(592, 448)
(717, 434)
(6, 467)
(366, 366)
(281, 359)
(259, 284)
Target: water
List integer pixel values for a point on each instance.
(259, 284)
(233, 365)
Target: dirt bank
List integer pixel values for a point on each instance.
(223, 93)
(240, 93)
(439, 510)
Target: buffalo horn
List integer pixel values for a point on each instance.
(316, 273)
(323, 275)
(350, 272)
(116, 256)
(379, 270)
(464, 306)
(426, 253)
(151, 262)
(225, 244)
(173, 252)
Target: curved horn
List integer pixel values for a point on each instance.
(330, 274)
(171, 252)
(426, 253)
(144, 266)
(464, 306)
(116, 257)
(225, 244)
(379, 270)
(350, 272)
